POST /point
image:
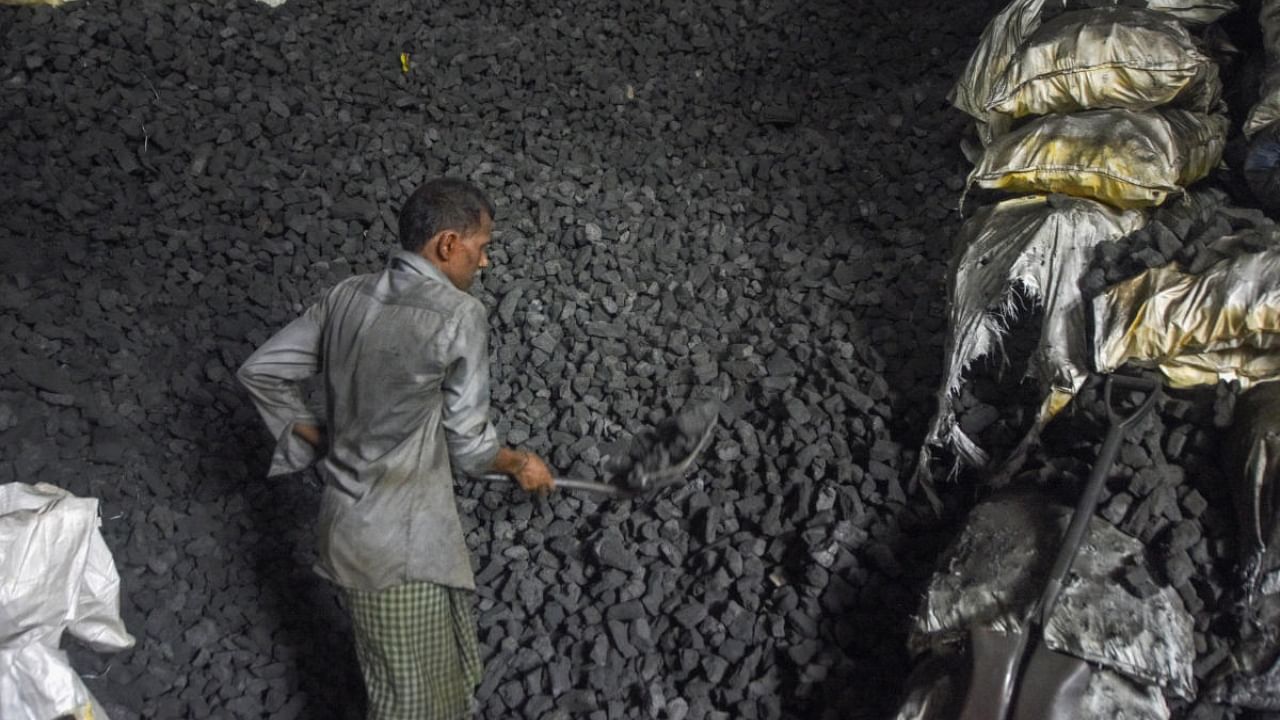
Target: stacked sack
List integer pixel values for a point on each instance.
(1116, 104)
(1111, 104)
(1262, 127)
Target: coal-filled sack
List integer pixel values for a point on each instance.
(1106, 58)
(1008, 33)
(1262, 166)
(1194, 12)
(937, 686)
(1124, 158)
(1221, 325)
(999, 44)
(1267, 110)
(997, 567)
(1253, 463)
(1041, 246)
(1262, 160)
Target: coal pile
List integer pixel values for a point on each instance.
(748, 203)
(1202, 228)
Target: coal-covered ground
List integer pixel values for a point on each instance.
(752, 201)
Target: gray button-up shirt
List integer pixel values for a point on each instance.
(405, 361)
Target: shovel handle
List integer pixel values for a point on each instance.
(598, 488)
(1120, 424)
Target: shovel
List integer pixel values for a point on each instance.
(1015, 676)
(645, 481)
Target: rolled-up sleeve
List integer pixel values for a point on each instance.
(471, 437)
(273, 376)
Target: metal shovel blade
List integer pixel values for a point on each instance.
(1052, 686)
(1049, 686)
(995, 658)
(1016, 676)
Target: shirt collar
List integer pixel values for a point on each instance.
(415, 263)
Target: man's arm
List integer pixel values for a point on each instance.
(473, 441)
(272, 376)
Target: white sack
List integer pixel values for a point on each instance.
(56, 574)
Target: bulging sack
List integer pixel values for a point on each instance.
(1253, 460)
(1106, 58)
(1010, 29)
(1194, 12)
(1223, 324)
(1124, 158)
(1267, 110)
(995, 569)
(996, 48)
(1041, 246)
(1261, 166)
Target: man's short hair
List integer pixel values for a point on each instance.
(439, 205)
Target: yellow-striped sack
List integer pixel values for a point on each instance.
(999, 43)
(1223, 324)
(1107, 58)
(1124, 158)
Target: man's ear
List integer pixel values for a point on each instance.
(446, 243)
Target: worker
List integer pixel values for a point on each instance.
(404, 358)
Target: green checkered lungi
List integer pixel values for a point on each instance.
(417, 649)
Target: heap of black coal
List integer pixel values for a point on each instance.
(717, 201)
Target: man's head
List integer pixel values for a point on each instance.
(448, 222)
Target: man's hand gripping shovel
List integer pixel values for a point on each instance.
(641, 481)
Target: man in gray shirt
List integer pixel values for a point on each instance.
(405, 362)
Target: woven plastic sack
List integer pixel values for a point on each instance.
(1267, 109)
(1194, 12)
(1261, 167)
(1223, 324)
(56, 575)
(997, 47)
(1010, 29)
(1124, 158)
(1041, 246)
(1106, 58)
(996, 568)
(1252, 460)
